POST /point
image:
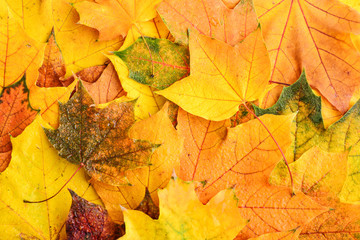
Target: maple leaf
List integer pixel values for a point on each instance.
(211, 18)
(157, 129)
(36, 172)
(308, 123)
(324, 49)
(183, 216)
(221, 77)
(18, 52)
(156, 62)
(71, 37)
(16, 114)
(88, 221)
(114, 18)
(97, 138)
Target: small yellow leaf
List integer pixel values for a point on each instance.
(183, 216)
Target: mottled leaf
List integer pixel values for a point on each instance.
(15, 115)
(97, 138)
(156, 62)
(308, 123)
(88, 221)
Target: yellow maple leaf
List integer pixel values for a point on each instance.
(36, 172)
(221, 76)
(183, 216)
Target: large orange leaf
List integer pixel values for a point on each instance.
(114, 18)
(273, 209)
(15, 114)
(245, 157)
(211, 18)
(221, 76)
(314, 35)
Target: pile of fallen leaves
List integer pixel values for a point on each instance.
(179, 119)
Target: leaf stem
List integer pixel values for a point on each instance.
(80, 167)
(277, 144)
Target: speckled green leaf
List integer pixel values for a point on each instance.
(308, 123)
(156, 62)
(97, 138)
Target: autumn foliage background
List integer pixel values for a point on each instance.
(254, 103)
